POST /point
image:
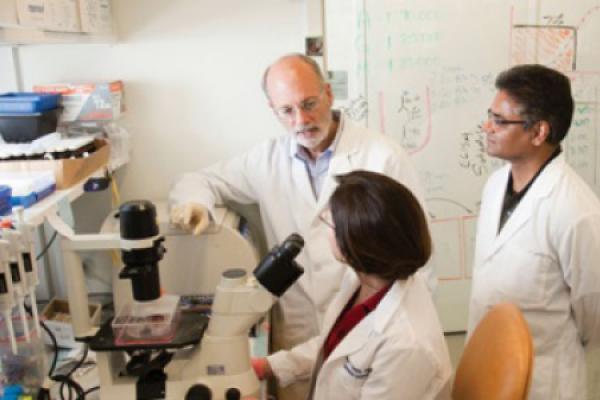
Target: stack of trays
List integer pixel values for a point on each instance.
(5, 194)
(26, 116)
(28, 187)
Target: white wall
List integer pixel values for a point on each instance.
(8, 80)
(192, 71)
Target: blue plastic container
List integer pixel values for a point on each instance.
(25, 102)
(5, 192)
(5, 210)
(5, 207)
(42, 194)
(24, 201)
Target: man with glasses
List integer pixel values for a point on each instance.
(538, 234)
(291, 179)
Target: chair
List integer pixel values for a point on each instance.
(497, 361)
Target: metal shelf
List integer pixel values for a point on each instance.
(10, 36)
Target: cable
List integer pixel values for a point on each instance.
(44, 393)
(45, 249)
(52, 338)
(115, 201)
(90, 390)
(71, 384)
(81, 361)
(76, 366)
(68, 376)
(62, 379)
(116, 196)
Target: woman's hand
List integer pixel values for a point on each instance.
(262, 368)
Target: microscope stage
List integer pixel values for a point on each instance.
(189, 332)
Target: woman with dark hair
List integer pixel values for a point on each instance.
(381, 337)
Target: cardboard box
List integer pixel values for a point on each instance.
(92, 101)
(67, 172)
(57, 317)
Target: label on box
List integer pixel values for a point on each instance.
(63, 16)
(95, 16)
(53, 15)
(63, 332)
(31, 13)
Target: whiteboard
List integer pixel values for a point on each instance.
(422, 72)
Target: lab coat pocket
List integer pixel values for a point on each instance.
(522, 274)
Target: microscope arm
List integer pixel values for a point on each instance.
(75, 277)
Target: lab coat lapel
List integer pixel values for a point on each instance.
(341, 162)
(349, 285)
(373, 324)
(541, 188)
(489, 215)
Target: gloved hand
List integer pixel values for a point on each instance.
(191, 217)
(262, 368)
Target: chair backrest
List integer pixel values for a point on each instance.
(497, 360)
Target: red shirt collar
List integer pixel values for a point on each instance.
(350, 317)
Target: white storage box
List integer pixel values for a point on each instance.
(88, 101)
(28, 187)
(57, 317)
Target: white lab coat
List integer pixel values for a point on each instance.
(546, 260)
(271, 176)
(397, 351)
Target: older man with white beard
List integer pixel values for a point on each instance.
(291, 179)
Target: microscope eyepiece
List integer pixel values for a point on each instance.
(292, 245)
(138, 220)
(278, 270)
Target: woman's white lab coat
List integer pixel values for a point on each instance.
(546, 260)
(273, 177)
(397, 351)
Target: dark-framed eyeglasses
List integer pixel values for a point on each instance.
(325, 220)
(498, 120)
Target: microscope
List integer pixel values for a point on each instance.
(152, 350)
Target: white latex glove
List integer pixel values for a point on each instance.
(191, 217)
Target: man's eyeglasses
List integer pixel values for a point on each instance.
(307, 105)
(497, 120)
(324, 219)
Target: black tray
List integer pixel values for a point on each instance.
(189, 332)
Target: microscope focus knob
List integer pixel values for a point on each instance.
(198, 392)
(233, 394)
(233, 277)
